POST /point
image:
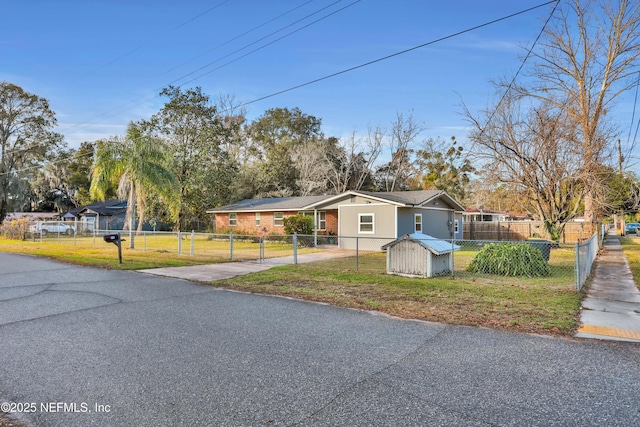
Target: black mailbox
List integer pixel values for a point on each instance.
(112, 238)
(116, 240)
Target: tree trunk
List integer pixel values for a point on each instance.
(589, 211)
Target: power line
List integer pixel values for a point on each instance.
(402, 52)
(124, 55)
(513, 80)
(268, 44)
(410, 50)
(117, 110)
(239, 36)
(633, 115)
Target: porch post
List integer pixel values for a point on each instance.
(315, 227)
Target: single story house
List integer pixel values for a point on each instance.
(380, 217)
(105, 215)
(484, 215)
(33, 216)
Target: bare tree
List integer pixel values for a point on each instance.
(351, 161)
(587, 58)
(533, 149)
(313, 170)
(396, 174)
(233, 117)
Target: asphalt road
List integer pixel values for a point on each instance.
(80, 346)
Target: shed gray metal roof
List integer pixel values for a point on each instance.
(436, 246)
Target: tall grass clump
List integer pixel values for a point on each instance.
(510, 259)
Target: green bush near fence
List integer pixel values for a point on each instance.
(301, 225)
(510, 259)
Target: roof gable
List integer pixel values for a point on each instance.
(106, 207)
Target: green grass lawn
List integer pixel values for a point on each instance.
(631, 249)
(547, 305)
(151, 251)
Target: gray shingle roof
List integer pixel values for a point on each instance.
(274, 204)
(107, 207)
(409, 198)
(405, 197)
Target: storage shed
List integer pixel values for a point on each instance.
(419, 255)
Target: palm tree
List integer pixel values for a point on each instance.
(139, 163)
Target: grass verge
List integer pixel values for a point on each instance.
(104, 257)
(631, 249)
(536, 306)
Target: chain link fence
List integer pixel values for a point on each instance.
(585, 256)
(513, 263)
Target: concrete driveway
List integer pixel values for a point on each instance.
(225, 270)
(80, 346)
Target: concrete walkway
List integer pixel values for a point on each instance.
(209, 272)
(611, 310)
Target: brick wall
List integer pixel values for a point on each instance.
(246, 223)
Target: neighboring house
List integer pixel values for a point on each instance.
(379, 217)
(483, 215)
(106, 215)
(33, 216)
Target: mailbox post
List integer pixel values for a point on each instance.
(116, 240)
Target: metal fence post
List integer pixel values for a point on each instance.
(295, 248)
(451, 259)
(261, 255)
(357, 251)
(231, 246)
(578, 284)
(179, 243)
(193, 236)
(94, 237)
(144, 240)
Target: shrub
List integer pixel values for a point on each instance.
(15, 229)
(510, 259)
(300, 224)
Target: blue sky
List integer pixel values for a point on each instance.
(102, 63)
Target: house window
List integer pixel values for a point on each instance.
(457, 225)
(365, 223)
(278, 219)
(322, 220)
(257, 219)
(417, 222)
(233, 219)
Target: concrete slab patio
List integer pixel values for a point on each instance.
(611, 310)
